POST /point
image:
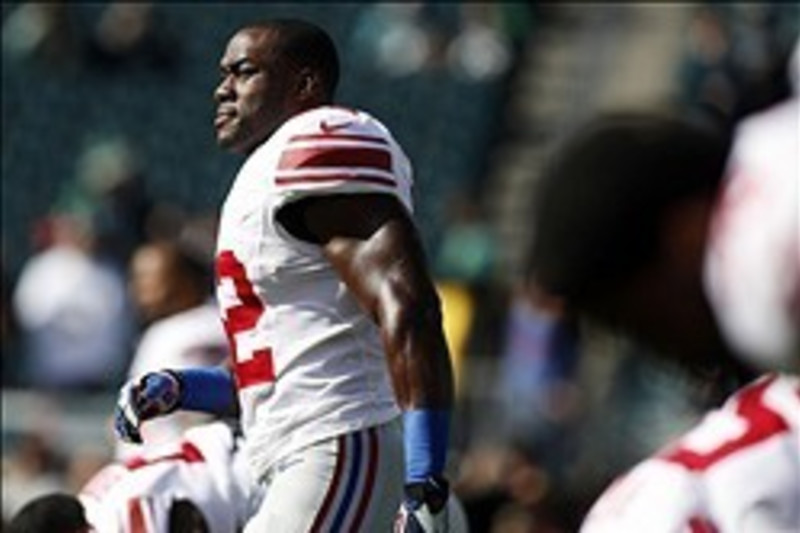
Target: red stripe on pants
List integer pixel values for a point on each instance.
(341, 456)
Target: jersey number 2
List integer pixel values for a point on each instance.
(253, 368)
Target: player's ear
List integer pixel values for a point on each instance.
(307, 84)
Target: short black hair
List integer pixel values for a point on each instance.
(599, 203)
(51, 513)
(307, 45)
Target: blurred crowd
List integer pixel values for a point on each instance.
(118, 280)
(735, 57)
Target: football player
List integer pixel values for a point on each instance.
(623, 221)
(199, 483)
(339, 361)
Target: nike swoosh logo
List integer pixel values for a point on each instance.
(327, 127)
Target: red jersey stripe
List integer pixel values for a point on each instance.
(701, 525)
(341, 456)
(136, 516)
(255, 371)
(244, 316)
(762, 422)
(329, 157)
(337, 137)
(322, 178)
(188, 453)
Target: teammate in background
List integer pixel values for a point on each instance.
(197, 484)
(202, 479)
(171, 289)
(622, 227)
(338, 354)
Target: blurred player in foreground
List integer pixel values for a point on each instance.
(624, 223)
(752, 268)
(334, 322)
(197, 484)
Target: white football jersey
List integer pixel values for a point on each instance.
(309, 362)
(737, 471)
(192, 338)
(753, 261)
(207, 467)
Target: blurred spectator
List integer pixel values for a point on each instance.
(9, 332)
(44, 31)
(512, 518)
(464, 268)
(503, 487)
(393, 38)
(32, 469)
(130, 32)
(707, 71)
(480, 51)
(110, 185)
(171, 286)
(124, 34)
(82, 465)
(468, 251)
(537, 379)
(73, 311)
(166, 279)
(513, 472)
(479, 484)
(412, 38)
(734, 58)
(760, 52)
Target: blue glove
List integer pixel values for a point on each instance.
(204, 389)
(425, 507)
(154, 394)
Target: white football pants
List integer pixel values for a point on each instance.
(350, 483)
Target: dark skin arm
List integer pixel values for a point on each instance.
(372, 243)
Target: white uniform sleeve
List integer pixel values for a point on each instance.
(128, 511)
(334, 150)
(737, 470)
(655, 497)
(136, 496)
(752, 269)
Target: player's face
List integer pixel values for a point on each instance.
(253, 96)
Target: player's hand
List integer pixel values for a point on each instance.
(424, 509)
(154, 394)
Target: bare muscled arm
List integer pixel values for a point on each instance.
(373, 244)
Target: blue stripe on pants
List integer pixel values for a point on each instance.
(352, 480)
